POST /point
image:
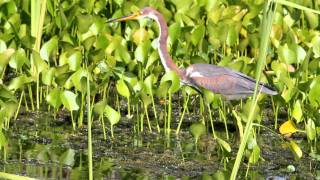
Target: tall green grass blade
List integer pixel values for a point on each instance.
(266, 26)
(297, 6)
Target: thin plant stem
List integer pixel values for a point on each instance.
(148, 120)
(90, 164)
(182, 115)
(19, 106)
(31, 97)
(169, 112)
(211, 122)
(155, 112)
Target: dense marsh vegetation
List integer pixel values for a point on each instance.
(61, 55)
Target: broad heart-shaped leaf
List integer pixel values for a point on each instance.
(232, 36)
(316, 46)
(174, 32)
(79, 81)
(145, 99)
(49, 48)
(208, 96)
(172, 77)
(4, 58)
(129, 78)
(18, 82)
(255, 155)
(48, 75)
(67, 158)
(69, 101)
(148, 83)
(163, 89)
(18, 59)
(140, 36)
(197, 129)
(8, 110)
(288, 127)
(99, 107)
(197, 34)
(314, 93)
(37, 63)
(54, 98)
(112, 115)
(122, 88)
(6, 94)
(3, 140)
(287, 55)
(141, 53)
(312, 18)
(310, 129)
(3, 45)
(297, 111)
(295, 149)
(74, 60)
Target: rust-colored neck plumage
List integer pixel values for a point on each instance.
(162, 43)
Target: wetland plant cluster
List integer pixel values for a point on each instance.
(58, 55)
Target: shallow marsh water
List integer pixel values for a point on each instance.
(46, 148)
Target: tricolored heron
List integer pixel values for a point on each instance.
(230, 84)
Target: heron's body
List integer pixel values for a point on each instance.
(229, 83)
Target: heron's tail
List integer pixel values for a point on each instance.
(267, 90)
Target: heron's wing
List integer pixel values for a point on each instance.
(229, 83)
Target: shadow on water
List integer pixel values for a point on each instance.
(48, 149)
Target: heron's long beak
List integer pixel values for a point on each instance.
(125, 18)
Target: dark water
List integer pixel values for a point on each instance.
(46, 148)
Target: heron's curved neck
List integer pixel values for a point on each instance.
(165, 57)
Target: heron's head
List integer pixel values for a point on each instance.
(143, 13)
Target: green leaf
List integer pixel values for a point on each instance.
(18, 82)
(314, 93)
(148, 82)
(122, 88)
(69, 101)
(174, 32)
(18, 59)
(48, 75)
(255, 155)
(316, 46)
(197, 129)
(295, 149)
(141, 53)
(6, 94)
(208, 96)
(232, 36)
(311, 130)
(99, 107)
(172, 77)
(112, 115)
(67, 158)
(287, 55)
(79, 80)
(74, 60)
(5, 57)
(197, 34)
(297, 111)
(312, 18)
(146, 99)
(38, 63)
(49, 48)
(54, 98)
(224, 144)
